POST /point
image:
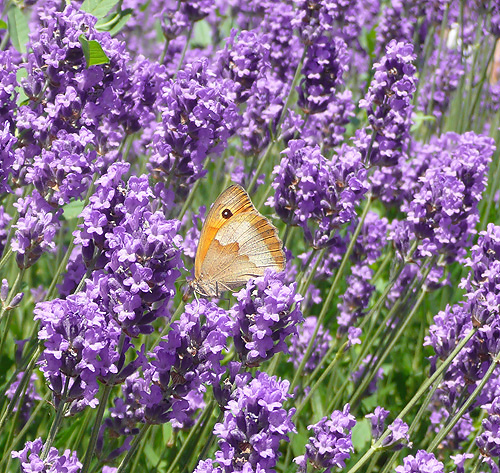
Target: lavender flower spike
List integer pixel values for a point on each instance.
(331, 444)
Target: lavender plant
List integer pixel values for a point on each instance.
(366, 131)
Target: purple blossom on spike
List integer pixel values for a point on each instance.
(435, 95)
(388, 105)
(327, 129)
(30, 395)
(331, 444)
(36, 229)
(5, 219)
(186, 358)
(267, 311)
(377, 420)
(325, 63)
(7, 142)
(80, 347)
(398, 438)
(8, 91)
(244, 60)
(198, 117)
(31, 461)
(254, 424)
(488, 441)
(358, 374)
(421, 462)
(136, 248)
(318, 194)
(299, 343)
(443, 212)
(460, 460)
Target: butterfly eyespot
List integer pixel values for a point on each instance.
(226, 213)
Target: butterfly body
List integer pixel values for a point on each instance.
(236, 244)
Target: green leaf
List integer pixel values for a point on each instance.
(361, 435)
(368, 40)
(72, 210)
(114, 23)
(98, 8)
(202, 34)
(3, 25)
(21, 97)
(419, 119)
(93, 52)
(18, 28)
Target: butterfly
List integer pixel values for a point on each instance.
(236, 244)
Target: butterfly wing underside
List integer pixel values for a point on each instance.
(239, 247)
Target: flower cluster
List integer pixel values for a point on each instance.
(31, 461)
(136, 249)
(254, 424)
(388, 105)
(267, 311)
(186, 359)
(444, 211)
(198, 117)
(422, 461)
(331, 444)
(325, 63)
(80, 347)
(317, 194)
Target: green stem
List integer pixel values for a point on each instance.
(367, 378)
(54, 428)
(423, 388)
(130, 453)
(103, 401)
(327, 303)
(323, 376)
(479, 87)
(184, 50)
(445, 431)
(196, 429)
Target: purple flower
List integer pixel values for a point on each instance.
(8, 87)
(5, 218)
(460, 459)
(324, 66)
(36, 229)
(80, 348)
(136, 247)
(398, 438)
(30, 395)
(300, 342)
(7, 142)
(327, 128)
(186, 359)
(317, 194)
(331, 444)
(244, 60)
(436, 93)
(198, 117)
(31, 462)
(357, 376)
(254, 424)
(266, 313)
(377, 420)
(488, 441)
(420, 463)
(388, 105)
